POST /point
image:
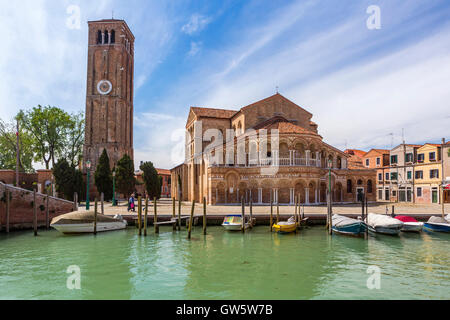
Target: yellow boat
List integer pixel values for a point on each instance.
(285, 226)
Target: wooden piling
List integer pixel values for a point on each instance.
(34, 213)
(76, 201)
(242, 215)
(251, 211)
(145, 215)
(102, 199)
(271, 213)
(8, 208)
(278, 212)
(367, 222)
(179, 215)
(47, 211)
(139, 215)
(191, 220)
(174, 225)
(95, 217)
(330, 223)
(204, 215)
(155, 219)
(393, 211)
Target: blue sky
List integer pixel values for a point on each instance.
(361, 85)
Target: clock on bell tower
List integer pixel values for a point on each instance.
(109, 92)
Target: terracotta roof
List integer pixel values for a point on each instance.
(283, 125)
(163, 171)
(355, 152)
(213, 113)
(277, 95)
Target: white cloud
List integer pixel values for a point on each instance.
(196, 23)
(195, 48)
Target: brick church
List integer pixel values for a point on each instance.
(248, 160)
(109, 92)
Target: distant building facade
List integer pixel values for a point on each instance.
(165, 183)
(244, 165)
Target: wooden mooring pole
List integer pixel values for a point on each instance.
(140, 215)
(47, 211)
(95, 217)
(191, 219)
(145, 215)
(204, 215)
(7, 195)
(174, 225)
(251, 211)
(34, 213)
(278, 212)
(155, 219)
(243, 214)
(367, 221)
(179, 215)
(271, 212)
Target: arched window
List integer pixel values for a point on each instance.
(99, 37)
(369, 186)
(106, 37)
(359, 182)
(113, 36)
(349, 186)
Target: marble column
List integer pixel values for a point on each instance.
(306, 195)
(308, 155)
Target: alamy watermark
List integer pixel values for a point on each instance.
(74, 279)
(374, 280)
(74, 19)
(374, 20)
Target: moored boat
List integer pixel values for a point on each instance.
(347, 226)
(378, 223)
(233, 222)
(83, 222)
(410, 224)
(438, 224)
(285, 226)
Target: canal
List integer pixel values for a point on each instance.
(224, 265)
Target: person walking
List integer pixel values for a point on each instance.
(131, 203)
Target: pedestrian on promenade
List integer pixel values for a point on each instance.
(131, 203)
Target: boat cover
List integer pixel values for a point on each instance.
(378, 220)
(406, 219)
(340, 221)
(437, 220)
(81, 217)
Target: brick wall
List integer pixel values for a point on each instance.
(21, 208)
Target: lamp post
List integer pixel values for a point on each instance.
(114, 188)
(88, 167)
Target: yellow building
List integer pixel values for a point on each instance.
(428, 173)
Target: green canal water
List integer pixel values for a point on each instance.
(224, 265)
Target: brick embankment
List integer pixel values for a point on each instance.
(21, 208)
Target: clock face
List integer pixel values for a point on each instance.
(104, 87)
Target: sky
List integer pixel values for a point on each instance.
(363, 85)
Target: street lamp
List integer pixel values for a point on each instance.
(88, 167)
(114, 188)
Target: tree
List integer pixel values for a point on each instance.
(74, 140)
(103, 176)
(48, 126)
(9, 151)
(68, 179)
(125, 180)
(151, 180)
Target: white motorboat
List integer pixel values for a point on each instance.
(378, 223)
(410, 224)
(83, 222)
(233, 222)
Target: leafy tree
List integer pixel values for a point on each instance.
(68, 180)
(74, 140)
(103, 176)
(125, 180)
(8, 148)
(151, 180)
(48, 126)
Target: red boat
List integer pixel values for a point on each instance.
(410, 224)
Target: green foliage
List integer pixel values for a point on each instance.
(68, 180)
(103, 176)
(54, 133)
(152, 181)
(125, 180)
(8, 148)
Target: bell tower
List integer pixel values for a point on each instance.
(109, 92)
